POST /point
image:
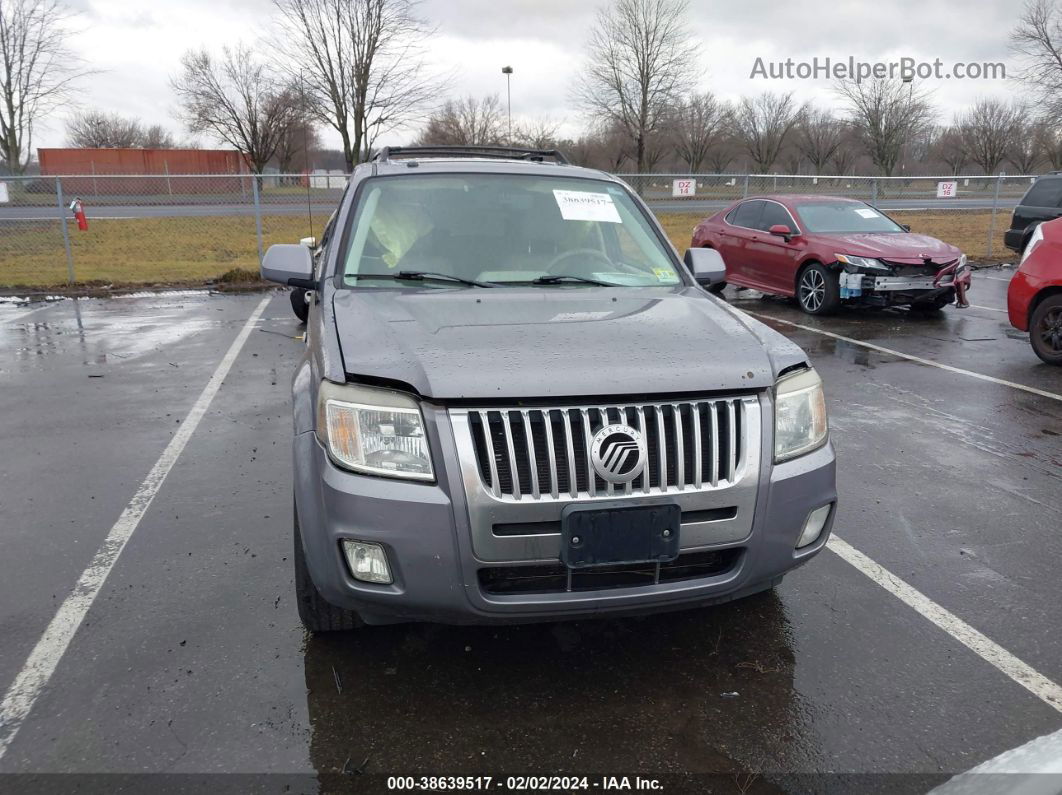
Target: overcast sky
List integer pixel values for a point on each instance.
(137, 45)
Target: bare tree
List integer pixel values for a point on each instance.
(763, 124)
(921, 148)
(792, 159)
(638, 64)
(950, 149)
(1049, 136)
(887, 114)
(844, 159)
(237, 99)
(1037, 41)
(94, 129)
(615, 147)
(987, 128)
(819, 134)
(37, 72)
(605, 146)
(298, 141)
(155, 136)
(722, 154)
(537, 133)
(1026, 146)
(466, 122)
(362, 65)
(656, 148)
(697, 125)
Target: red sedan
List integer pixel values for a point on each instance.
(828, 251)
(1034, 298)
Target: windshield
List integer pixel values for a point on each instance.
(502, 229)
(827, 218)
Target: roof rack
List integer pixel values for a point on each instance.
(500, 152)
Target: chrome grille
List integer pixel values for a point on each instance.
(537, 453)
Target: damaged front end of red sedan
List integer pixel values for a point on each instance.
(924, 285)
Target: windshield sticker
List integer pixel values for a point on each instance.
(866, 212)
(577, 205)
(665, 275)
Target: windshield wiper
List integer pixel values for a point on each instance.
(564, 277)
(419, 276)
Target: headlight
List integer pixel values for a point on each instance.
(799, 415)
(375, 431)
(861, 262)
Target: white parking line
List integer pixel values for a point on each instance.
(42, 662)
(989, 308)
(988, 650)
(980, 376)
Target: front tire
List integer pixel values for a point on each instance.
(299, 305)
(818, 290)
(1045, 330)
(317, 614)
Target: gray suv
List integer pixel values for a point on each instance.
(518, 404)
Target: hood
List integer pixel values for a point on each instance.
(513, 343)
(899, 247)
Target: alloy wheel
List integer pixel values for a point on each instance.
(1050, 329)
(812, 290)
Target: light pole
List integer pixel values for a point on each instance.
(910, 98)
(508, 72)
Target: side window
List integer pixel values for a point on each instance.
(775, 214)
(1047, 192)
(746, 214)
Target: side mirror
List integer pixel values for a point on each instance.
(290, 264)
(706, 265)
(782, 230)
(309, 242)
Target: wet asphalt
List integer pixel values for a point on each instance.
(192, 659)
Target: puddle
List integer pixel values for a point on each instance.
(701, 691)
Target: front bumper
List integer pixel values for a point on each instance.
(426, 532)
(1012, 239)
(888, 290)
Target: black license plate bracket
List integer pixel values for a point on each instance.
(596, 536)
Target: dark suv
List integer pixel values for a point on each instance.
(1042, 202)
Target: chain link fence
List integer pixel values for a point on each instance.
(664, 191)
(154, 228)
(145, 229)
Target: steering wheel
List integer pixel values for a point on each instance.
(551, 268)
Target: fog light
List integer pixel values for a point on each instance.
(368, 562)
(813, 525)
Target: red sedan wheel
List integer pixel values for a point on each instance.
(1045, 330)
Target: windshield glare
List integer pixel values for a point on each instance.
(503, 229)
(826, 218)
